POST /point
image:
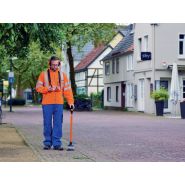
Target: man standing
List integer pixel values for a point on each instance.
(54, 86)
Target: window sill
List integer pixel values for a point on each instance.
(181, 57)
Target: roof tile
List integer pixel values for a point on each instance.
(89, 58)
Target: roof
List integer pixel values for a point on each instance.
(126, 30)
(79, 55)
(90, 57)
(124, 46)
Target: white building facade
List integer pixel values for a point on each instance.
(165, 43)
(89, 72)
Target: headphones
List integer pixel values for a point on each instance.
(54, 58)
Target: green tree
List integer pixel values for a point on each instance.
(27, 71)
(79, 34)
(15, 40)
(38, 61)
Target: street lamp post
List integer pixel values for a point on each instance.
(10, 86)
(11, 80)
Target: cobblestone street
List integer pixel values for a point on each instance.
(106, 136)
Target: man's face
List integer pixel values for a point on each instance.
(54, 65)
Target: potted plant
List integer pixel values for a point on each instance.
(160, 96)
(182, 107)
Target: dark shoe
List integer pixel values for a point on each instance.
(47, 147)
(58, 148)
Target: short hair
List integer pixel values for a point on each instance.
(54, 58)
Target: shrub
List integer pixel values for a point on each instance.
(82, 103)
(81, 97)
(96, 100)
(17, 101)
(161, 94)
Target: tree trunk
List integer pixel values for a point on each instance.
(34, 93)
(35, 96)
(19, 93)
(71, 65)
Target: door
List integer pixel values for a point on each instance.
(164, 84)
(141, 95)
(123, 95)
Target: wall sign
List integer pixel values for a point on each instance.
(146, 56)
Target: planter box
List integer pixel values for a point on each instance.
(182, 107)
(159, 108)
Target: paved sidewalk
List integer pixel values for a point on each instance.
(33, 137)
(12, 146)
(30, 129)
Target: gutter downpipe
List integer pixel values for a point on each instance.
(153, 52)
(153, 56)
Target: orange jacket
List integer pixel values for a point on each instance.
(55, 97)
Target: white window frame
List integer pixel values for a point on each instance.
(113, 66)
(139, 49)
(130, 62)
(145, 43)
(107, 68)
(109, 94)
(181, 55)
(129, 94)
(117, 65)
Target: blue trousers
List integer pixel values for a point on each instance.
(53, 118)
